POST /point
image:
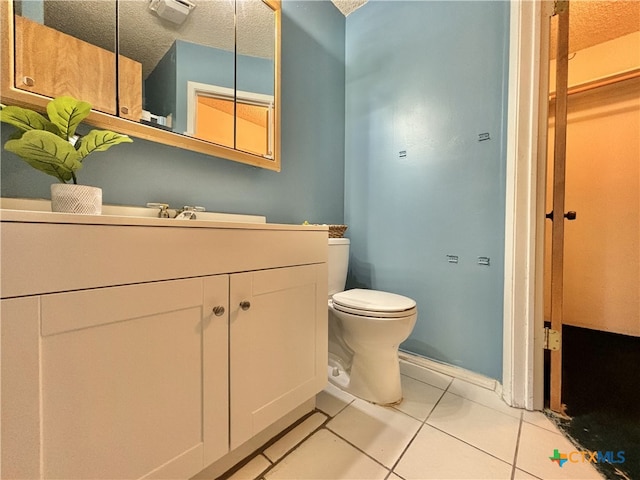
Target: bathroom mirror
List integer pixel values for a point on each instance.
(209, 83)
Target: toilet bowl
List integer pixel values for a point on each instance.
(366, 328)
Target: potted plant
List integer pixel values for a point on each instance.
(52, 146)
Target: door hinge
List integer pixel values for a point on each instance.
(551, 339)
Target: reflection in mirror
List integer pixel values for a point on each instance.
(200, 49)
(67, 48)
(190, 70)
(188, 79)
(247, 123)
(255, 73)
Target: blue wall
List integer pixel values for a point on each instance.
(421, 77)
(427, 78)
(311, 184)
(160, 86)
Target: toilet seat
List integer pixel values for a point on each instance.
(373, 303)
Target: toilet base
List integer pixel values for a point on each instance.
(362, 381)
(337, 374)
(375, 376)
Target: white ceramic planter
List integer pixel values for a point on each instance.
(70, 198)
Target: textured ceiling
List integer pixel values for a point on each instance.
(592, 22)
(348, 6)
(146, 37)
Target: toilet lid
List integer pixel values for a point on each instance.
(373, 303)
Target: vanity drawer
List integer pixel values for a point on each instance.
(42, 258)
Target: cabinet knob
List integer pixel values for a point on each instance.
(245, 305)
(28, 81)
(124, 110)
(218, 310)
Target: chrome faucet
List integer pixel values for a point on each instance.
(188, 213)
(164, 209)
(184, 213)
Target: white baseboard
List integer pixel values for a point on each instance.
(453, 371)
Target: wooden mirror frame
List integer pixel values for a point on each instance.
(12, 96)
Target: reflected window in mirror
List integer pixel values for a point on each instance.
(231, 117)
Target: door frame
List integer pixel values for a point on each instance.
(528, 98)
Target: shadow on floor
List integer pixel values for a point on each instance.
(601, 389)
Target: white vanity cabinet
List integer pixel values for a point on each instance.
(126, 376)
(154, 372)
(274, 361)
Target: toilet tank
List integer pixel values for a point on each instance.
(338, 263)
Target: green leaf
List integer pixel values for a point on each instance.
(100, 140)
(25, 119)
(48, 153)
(67, 113)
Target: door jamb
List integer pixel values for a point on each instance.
(523, 367)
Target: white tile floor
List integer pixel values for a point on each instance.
(445, 428)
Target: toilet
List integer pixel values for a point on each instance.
(366, 328)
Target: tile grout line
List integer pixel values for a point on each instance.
(405, 450)
(427, 383)
(469, 444)
(325, 426)
(321, 427)
(357, 448)
(515, 454)
(297, 445)
(261, 451)
(484, 405)
(339, 411)
(390, 471)
(459, 439)
(424, 422)
(421, 420)
(242, 464)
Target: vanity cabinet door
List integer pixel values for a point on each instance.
(131, 380)
(215, 368)
(20, 390)
(278, 344)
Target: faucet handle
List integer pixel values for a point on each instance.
(164, 208)
(188, 208)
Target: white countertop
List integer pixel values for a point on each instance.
(39, 211)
